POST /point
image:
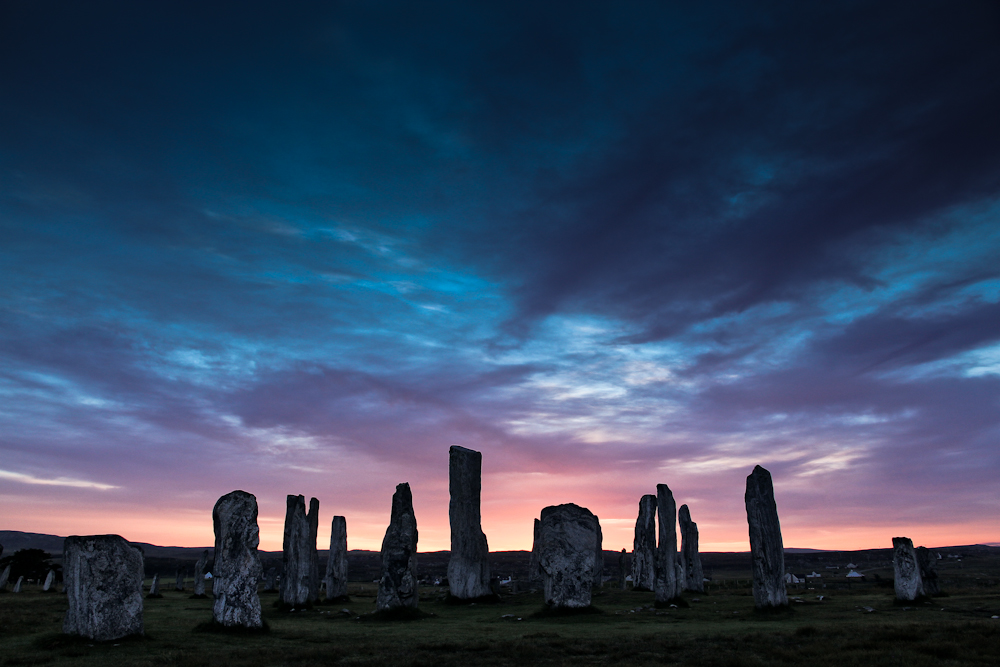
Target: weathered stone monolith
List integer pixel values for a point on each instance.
(644, 546)
(906, 570)
(767, 551)
(179, 580)
(17, 585)
(667, 584)
(336, 565)
(300, 578)
(154, 587)
(103, 579)
(398, 585)
(928, 571)
(623, 569)
(199, 574)
(468, 566)
(237, 565)
(50, 579)
(4, 577)
(599, 556)
(534, 570)
(567, 554)
(271, 579)
(694, 577)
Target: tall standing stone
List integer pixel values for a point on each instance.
(766, 547)
(599, 556)
(4, 577)
(534, 570)
(694, 577)
(17, 585)
(103, 578)
(336, 565)
(237, 565)
(300, 578)
(906, 570)
(398, 585)
(199, 574)
(469, 565)
(154, 588)
(50, 579)
(567, 555)
(928, 571)
(623, 569)
(644, 546)
(667, 584)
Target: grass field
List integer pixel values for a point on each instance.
(718, 628)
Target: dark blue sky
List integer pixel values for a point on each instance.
(305, 249)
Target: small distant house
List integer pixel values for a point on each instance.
(855, 575)
(814, 575)
(792, 579)
(850, 566)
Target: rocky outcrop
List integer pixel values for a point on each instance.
(398, 585)
(567, 555)
(534, 570)
(336, 565)
(667, 583)
(928, 571)
(767, 550)
(906, 570)
(199, 574)
(237, 565)
(693, 575)
(300, 578)
(468, 566)
(644, 546)
(103, 578)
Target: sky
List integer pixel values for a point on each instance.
(303, 248)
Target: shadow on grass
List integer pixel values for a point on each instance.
(215, 627)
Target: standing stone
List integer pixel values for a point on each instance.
(103, 578)
(622, 569)
(300, 580)
(534, 570)
(50, 579)
(154, 588)
(237, 566)
(693, 575)
(398, 585)
(567, 554)
(667, 584)
(179, 580)
(336, 565)
(4, 577)
(270, 579)
(644, 546)
(17, 585)
(928, 573)
(469, 566)
(906, 569)
(599, 556)
(199, 574)
(766, 548)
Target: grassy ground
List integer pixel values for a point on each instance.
(720, 628)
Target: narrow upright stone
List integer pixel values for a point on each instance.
(17, 585)
(336, 565)
(906, 570)
(694, 577)
(237, 565)
(667, 584)
(4, 577)
(623, 569)
(50, 579)
(469, 565)
(644, 546)
(199, 574)
(398, 585)
(766, 548)
(599, 556)
(928, 571)
(300, 579)
(567, 555)
(103, 578)
(154, 588)
(179, 580)
(534, 570)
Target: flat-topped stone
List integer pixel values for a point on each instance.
(300, 577)
(336, 564)
(644, 546)
(667, 565)
(103, 578)
(567, 554)
(693, 576)
(468, 565)
(906, 570)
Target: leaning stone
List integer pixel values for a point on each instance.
(534, 570)
(17, 585)
(199, 574)
(644, 546)
(567, 554)
(928, 573)
(103, 578)
(468, 566)
(336, 565)
(766, 547)
(622, 569)
(300, 580)
(693, 575)
(237, 565)
(4, 577)
(398, 584)
(179, 581)
(667, 584)
(50, 579)
(154, 588)
(906, 570)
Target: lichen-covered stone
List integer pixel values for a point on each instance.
(199, 574)
(667, 584)
(103, 579)
(567, 554)
(693, 575)
(468, 566)
(644, 546)
(336, 565)
(906, 570)
(237, 565)
(300, 578)
(928, 571)
(398, 585)
(767, 550)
